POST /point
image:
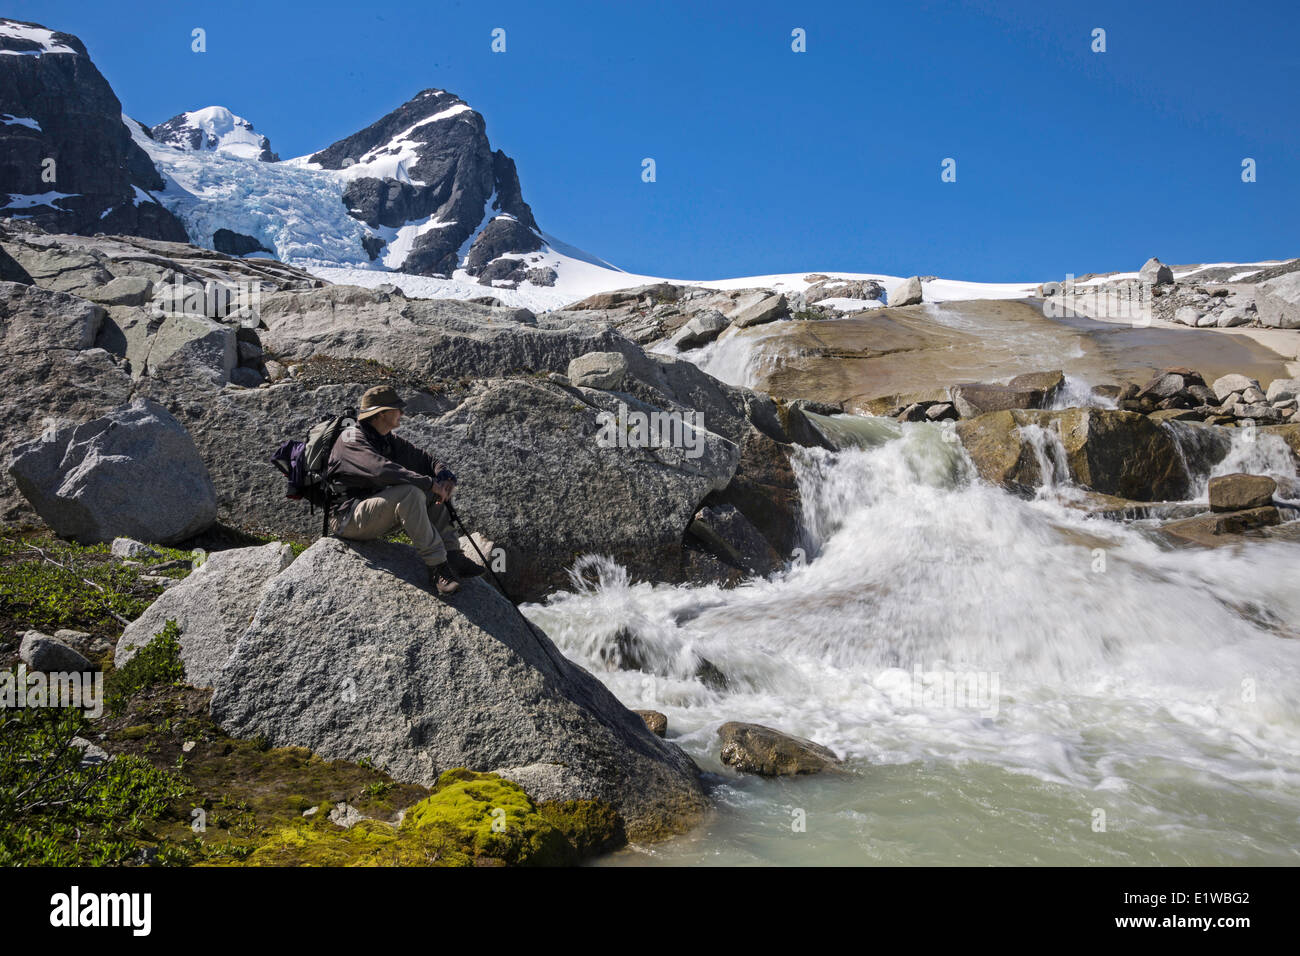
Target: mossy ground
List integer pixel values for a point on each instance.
(470, 819)
(182, 792)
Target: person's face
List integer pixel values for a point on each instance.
(393, 416)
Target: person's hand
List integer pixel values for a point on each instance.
(443, 490)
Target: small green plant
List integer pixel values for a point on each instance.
(56, 810)
(158, 662)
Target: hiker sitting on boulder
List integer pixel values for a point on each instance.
(388, 481)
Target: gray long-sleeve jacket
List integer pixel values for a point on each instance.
(364, 463)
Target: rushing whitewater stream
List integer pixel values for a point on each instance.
(1009, 681)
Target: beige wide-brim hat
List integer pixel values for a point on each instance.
(381, 398)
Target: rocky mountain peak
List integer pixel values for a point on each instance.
(427, 169)
(67, 161)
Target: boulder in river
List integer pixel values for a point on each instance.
(1239, 492)
(1230, 384)
(701, 330)
(753, 748)
(134, 472)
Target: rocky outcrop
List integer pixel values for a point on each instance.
(68, 161)
(419, 686)
(753, 748)
(134, 472)
(1112, 452)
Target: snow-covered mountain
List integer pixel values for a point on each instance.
(215, 129)
(66, 161)
(420, 191)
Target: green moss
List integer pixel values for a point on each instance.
(470, 819)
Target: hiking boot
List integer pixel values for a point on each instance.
(463, 566)
(443, 578)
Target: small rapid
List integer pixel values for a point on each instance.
(1119, 674)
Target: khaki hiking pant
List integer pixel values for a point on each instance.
(424, 520)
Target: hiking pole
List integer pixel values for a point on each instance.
(451, 513)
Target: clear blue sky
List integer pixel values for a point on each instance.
(775, 161)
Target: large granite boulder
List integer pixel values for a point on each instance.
(1278, 301)
(211, 608)
(907, 292)
(133, 473)
(351, 654)
(51, 373)
(1156, 272)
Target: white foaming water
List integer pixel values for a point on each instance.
(1154, 685)
(740, 357)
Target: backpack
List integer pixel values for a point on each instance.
(305, 465)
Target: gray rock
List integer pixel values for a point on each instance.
(1188, 315)
(211, 606)
(729, 535)
(91, 753)
(130, 548)
(1283, 389)
(35, 320)
(1225, 386)
(247, 377)
(908, 292)
(1278, 301)
(604, 370)
(44, 653)
(192, 343)
(768, 309)
(753, 748)
(346, 815)
(701, 330)
(132, 473)
(422, 685)
(1253, 396)
(1156, 272)
(123, 290)
(1232, 317)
